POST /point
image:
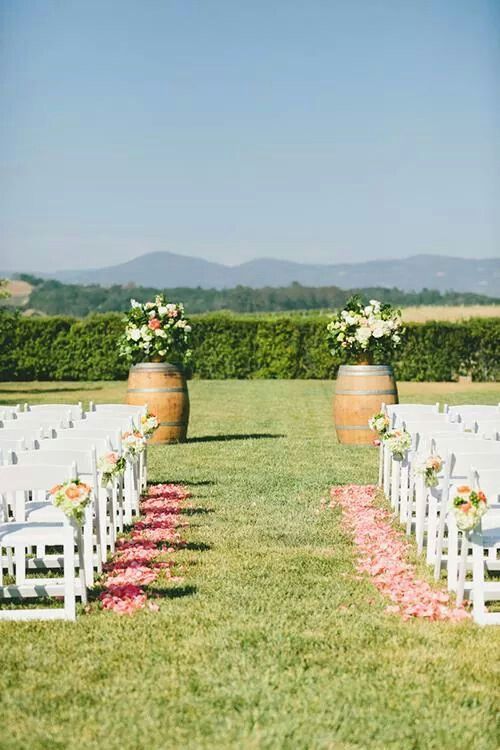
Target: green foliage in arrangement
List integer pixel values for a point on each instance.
(228, 346)
(55, 298)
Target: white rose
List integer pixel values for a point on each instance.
(162, 310)
(368, 310)
(378, 332)
(134, 303)
(363, 334)
(134, 334)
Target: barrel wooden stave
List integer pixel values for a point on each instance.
(162, 386)
(359, 394)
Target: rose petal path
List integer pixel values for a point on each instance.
(382, 553)
(139, 557)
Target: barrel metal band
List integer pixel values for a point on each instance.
(362, 370)
(157, 390)
(367, 393)
(173, 424)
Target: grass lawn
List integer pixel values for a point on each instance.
(271, 642)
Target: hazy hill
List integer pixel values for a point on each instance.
(168, 270)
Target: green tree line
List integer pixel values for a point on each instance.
(55, 298)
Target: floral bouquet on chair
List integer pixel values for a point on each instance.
(110, 465)
(72, 498)
(362, 330)
(149, 423)
(469, 507)
(133, 443)
(154, 331)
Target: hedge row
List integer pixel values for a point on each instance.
(228, 346)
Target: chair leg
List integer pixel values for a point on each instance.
(81, 563)
(69, 573)
(420, 508)
(478, 606)
(452, 566)
(462, 568)
(20, 561)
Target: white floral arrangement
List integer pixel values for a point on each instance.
(110, 465)
(149, 423)
(469, 507)
(155, 330)
(133, 444)
(429, 468)
(361, 329)
(379, 423)
(398, 442)
(72, 498)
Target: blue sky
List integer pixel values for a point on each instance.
(314, 130)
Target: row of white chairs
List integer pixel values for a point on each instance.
(41, 446)
(471, 457)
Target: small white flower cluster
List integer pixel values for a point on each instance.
(429, 468)
(133, 444)
(156, 328)
(149, 424)
(360, 327)
(379, 423)
(398, 442)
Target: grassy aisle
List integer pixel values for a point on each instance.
(271, 642)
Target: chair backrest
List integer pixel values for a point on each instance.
(80, 443)
(46, 422)
(85, 460)
(488, 480)
(464, 443)
(76, 410)
(8, 412)
(462, 463)
(29, 434)
(18, 444)
(113, 436)
(103, 422)
(479, 408)
(423, 428)
(20, 477)
(117, 409)
(416, 409)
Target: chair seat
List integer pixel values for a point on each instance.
(12, 534)
(43, 511)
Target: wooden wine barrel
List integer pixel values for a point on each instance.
(162, 386)
(359, 394)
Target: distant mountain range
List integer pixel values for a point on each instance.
(167, 270)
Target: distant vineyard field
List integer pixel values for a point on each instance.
(451, 313)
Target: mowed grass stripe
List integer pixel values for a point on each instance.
(272, 642)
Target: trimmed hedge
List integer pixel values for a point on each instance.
(230, 346)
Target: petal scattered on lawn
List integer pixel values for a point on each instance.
(382, 553)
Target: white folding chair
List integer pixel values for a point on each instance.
(110, 510)
(16, 483)
(456, 471)
(85, 467)
(485, 543)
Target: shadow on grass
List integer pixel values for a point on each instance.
(227, 438)
(176, 592)
(172, 592)
(201, 483)
(196, 546)
(196, 511)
